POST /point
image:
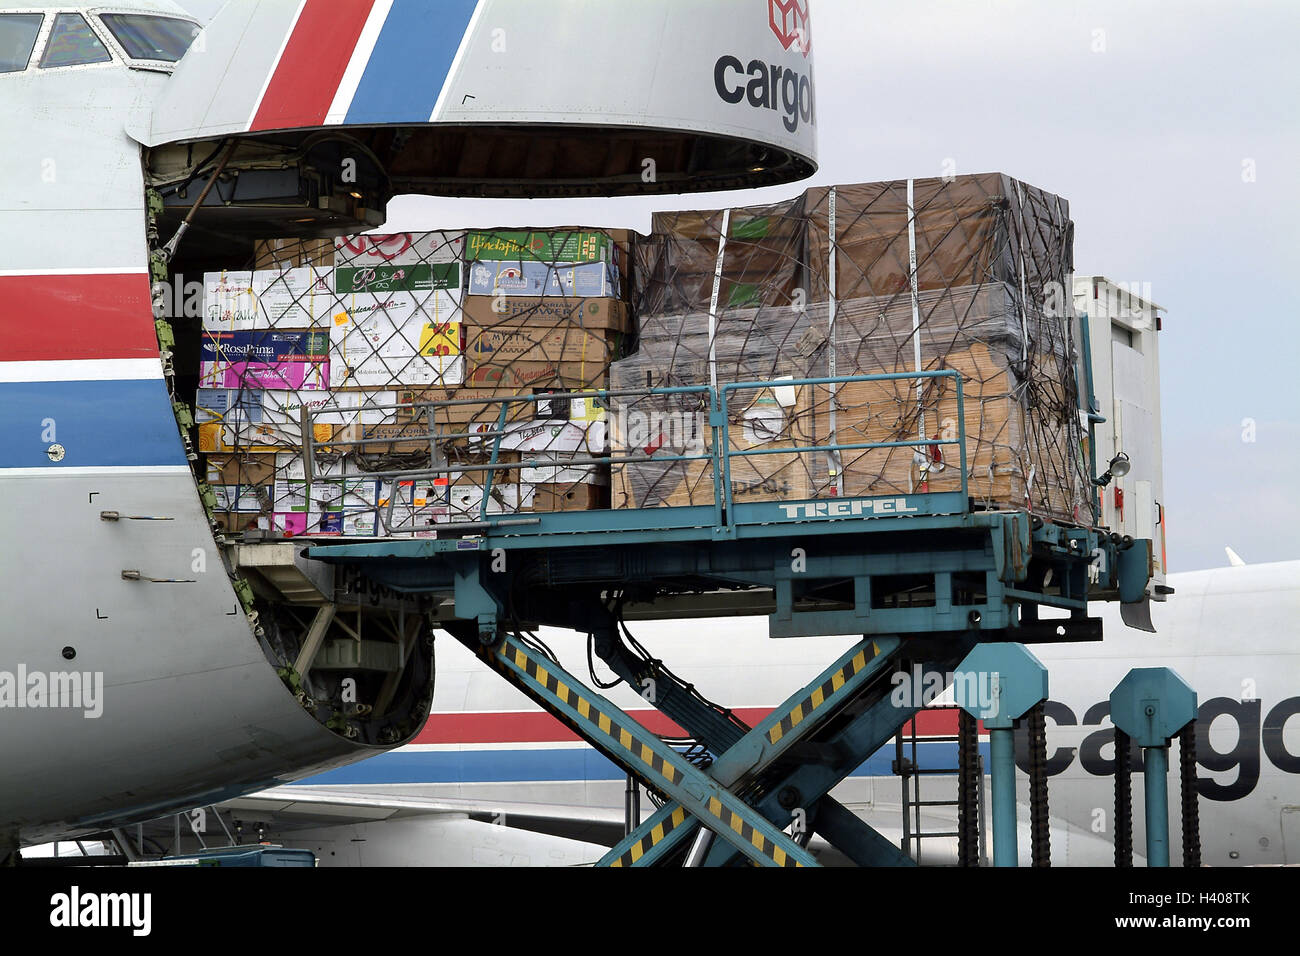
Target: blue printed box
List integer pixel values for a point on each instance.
(582, 280)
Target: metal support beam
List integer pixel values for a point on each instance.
(315, 635)
(968, 781)
(1002, 748)
(631, 805)
(811, 781)
(999, 683)
(796, 720)
(631, 746)
(1152, 705)
(844, 830)
(1156, 774)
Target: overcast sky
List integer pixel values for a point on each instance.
(1171, 128)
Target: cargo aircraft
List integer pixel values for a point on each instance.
(140, 670)
(140, 674)
(493, 781)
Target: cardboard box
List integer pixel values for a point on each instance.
(998, 429)
(291, 466)
(219, 438)
(284, 409)
(424, 367)
(424, 504)
(292, 253)
(673, 484)
(549, 375)
(236, 406)
(390, 439)
(416, 509)
(571, 280)
(243, 498)
(599, 314)
(760, 478)
(437, 306)
(399, 249)
(332, 506)
(484, 405)
(271, 359)
(570, 497)
(359, 524)
(353, 493)
(234, 522)
(557, 470)
(229, 302)
(531, 438)
(761, 262)
(505, 345)
(382, 279)
(255, 420)
(381, 350)
(241, 470)
(296, 298)
(556, 245)
(759, 420)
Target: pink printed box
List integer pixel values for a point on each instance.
(292, 360)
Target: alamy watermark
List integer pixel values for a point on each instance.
(971, 690)
(73, 690)
(648, 431)
(1129, 302)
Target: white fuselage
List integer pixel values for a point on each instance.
(190, 710)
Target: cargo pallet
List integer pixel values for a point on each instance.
(922, 577)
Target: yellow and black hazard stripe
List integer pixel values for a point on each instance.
(508, 654)
(660, 830)
(747, 832)
(829, 688)
(608, 726)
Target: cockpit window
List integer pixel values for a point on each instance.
(151, 38)
(18, 32)
(73, 43)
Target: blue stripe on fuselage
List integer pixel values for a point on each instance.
(99, 424)
(539, 766)
(410, 62)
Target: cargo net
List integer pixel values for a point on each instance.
(991, 302)
(389, 354)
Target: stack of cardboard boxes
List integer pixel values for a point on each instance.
(499, 323)
(993, 256)
(370, 329)
(806, 293)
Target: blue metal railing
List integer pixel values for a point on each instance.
(731, 387)
(720, 452)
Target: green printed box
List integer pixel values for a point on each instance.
(560, 245)
(401, 278)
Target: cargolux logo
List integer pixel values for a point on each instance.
(771, 86)
(789, 20)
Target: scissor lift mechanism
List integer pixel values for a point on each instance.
(966, 576)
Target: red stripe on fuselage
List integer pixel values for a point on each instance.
(313, 64)
(938, 723)
(47, 318)
(535, 726)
